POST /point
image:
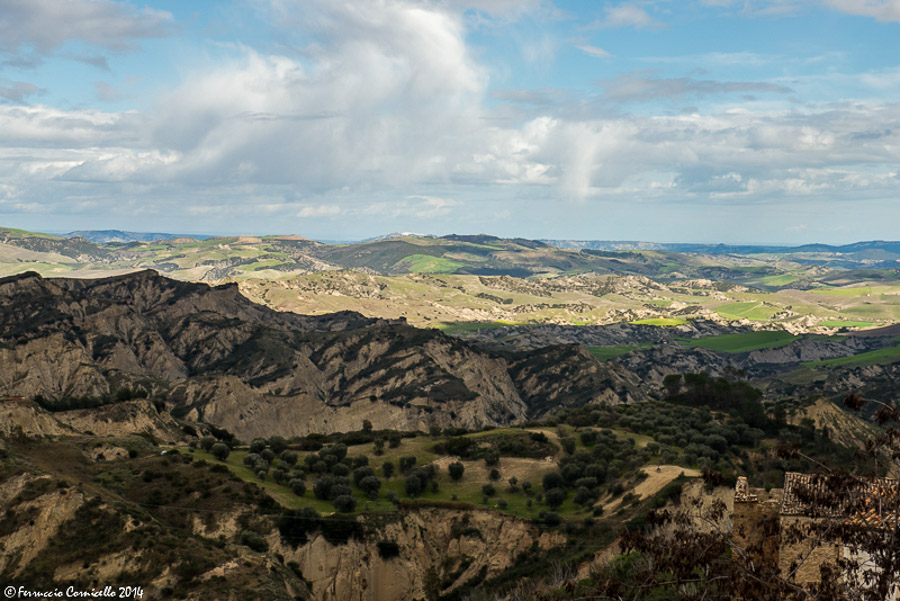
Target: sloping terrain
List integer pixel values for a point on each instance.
(216, 357)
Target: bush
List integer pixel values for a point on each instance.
(550, 518)
(361, 473)
(413, 485)
(387, 469)
(289, 457)
(254, 541)
(344, 503)
(501, 503)
(257, 445)
(494, 474)
(370, 485)
(406, 463)
(555, 497)
(456, 470)
(278, 444)
(207, 442)
(553, 480)
(388, 549)
(220, 451)
(298, 487)
(488, 490)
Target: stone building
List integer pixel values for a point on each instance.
(782, 526)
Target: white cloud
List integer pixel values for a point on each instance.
(430, 207)
(882, 10)
(628, 14)
(594, 51)
(30, 29)
(382, 115)
(328, 210)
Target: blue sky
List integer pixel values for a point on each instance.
(771, 121)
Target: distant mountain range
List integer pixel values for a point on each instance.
(724, 249)
(106, 236)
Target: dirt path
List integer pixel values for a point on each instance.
(657, 479)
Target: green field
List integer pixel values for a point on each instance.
(885, 355)
(855, 291)
(836, 323)
(741, 343)
(427, 264)
(660, 321)
(610, 352)
(754, 311)
(471, 326)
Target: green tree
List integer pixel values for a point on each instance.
(456, 470)
(220, 451)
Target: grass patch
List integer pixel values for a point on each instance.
(604, 353)
(836, 323)
(660, 321)
(746, 310)
(852, 291)
(427, 264)
(458, 327)
(884, 355)
(741, 343)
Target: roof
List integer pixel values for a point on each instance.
(860, 501)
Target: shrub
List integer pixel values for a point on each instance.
(388, 549)
(361, 473)
(456, 470)
(254, 541)
(553, 480)
(370, 485)
(298, 487)
(289, 457)
(220, 451)
(278, 444)
(207, 442)
(387, 469)
(406, 463)
(488, 490)
(555, 497)
(412, 485)
(344, 503)
(257, 445)
(494, 474)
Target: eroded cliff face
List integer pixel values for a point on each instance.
(218, 358)
(438, 551)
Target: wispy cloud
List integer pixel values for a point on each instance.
(594, 51)
(632, 87)
(629, 14)
(18, 91)
(881, 10)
